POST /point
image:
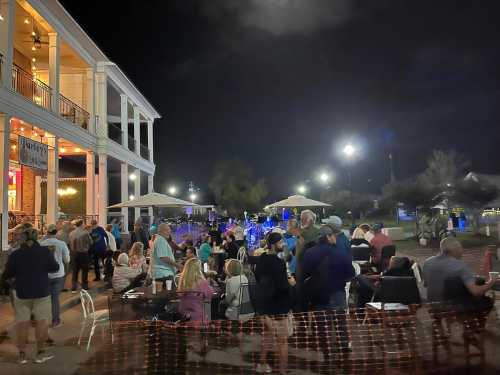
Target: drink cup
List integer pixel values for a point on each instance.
(169, 284)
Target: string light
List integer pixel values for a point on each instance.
(33, 48)
(26, 21)
(78, 149)
(13, 147)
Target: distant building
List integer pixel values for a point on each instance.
(62, 100)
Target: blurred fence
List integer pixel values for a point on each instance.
(425, 338)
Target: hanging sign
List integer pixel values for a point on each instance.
(33, 154)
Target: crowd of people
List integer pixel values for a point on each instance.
(305, 267)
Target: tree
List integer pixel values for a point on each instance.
(474, 195)
(341, 202)
(444, 169)
(234, 188)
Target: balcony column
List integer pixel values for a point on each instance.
(137, 192)
(137, 130)
(103, 189)
(150, 190)
(150, 140)
(54, 68)
(124, 194)
(4, 178)
(101, 102)
(124, 119)
(7, 10)
(52, 180)
(90, 76)
(90, 190)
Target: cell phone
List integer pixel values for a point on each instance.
(205, 267)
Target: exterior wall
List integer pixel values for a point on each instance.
(72, 86)
(22, 61)
(28, 189)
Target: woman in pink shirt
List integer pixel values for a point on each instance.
(378, 242)
(193, 280)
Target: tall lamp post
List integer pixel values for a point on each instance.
(349, 152)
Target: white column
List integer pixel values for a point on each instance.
(102, 102)
(124, 119)
(52, 180)
(137, 192)
(137, 130)
(7, 9)
(103, 189)
(91, 99)
(124, 195)
(90, 190)
(54, 70)
(4, 177)
(150, 140)
(38, 201)
(150, 190)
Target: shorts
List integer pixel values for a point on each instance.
(283, 327)
(40, 308)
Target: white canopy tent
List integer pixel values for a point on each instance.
(154, 200)
(297, 201)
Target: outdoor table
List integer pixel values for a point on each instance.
(139, 307)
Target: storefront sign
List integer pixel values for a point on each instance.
(33, 154)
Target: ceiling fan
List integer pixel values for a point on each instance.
(35, 37)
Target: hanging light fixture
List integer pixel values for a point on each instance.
(1, 17)
(26, 21)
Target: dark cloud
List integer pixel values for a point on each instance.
(283, 17)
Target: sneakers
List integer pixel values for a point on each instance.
(22, 358)
(74, 291)
(43, 357)
(263, 368)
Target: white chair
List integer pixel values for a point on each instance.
(357, 271)
(416, 271)
(92, 318)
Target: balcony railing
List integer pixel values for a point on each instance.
(73, 112)
(28, 86)
(131, 143)
(115, 133)
(144, 152)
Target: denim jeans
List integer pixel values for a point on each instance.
(56, 286)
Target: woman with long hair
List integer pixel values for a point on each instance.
(193, 280)
(137, 260)
(236, 294)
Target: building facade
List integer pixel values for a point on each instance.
(70, 122)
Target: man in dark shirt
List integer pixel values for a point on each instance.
(99, 246)
(29, 267)
(327, 268)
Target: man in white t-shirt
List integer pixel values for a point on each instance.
(56, 279)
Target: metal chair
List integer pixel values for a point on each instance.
(361, 253)
(357, 271)
(92, 318)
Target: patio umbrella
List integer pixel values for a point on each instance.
(297, 201)
(154, 200)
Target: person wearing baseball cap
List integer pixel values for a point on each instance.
(327, 268)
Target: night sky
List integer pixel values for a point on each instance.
(282, 83)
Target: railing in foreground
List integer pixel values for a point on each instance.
(73, 112)
(28, 86)
(319, 342)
